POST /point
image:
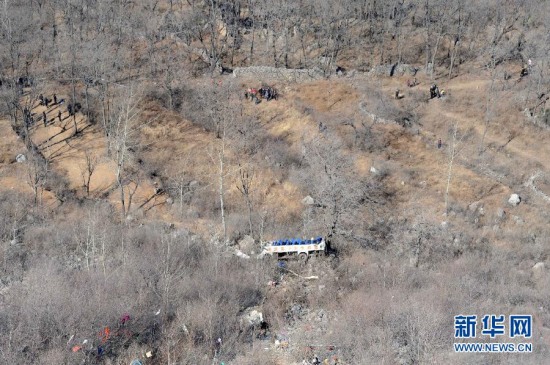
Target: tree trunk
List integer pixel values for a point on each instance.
(452, 154)
(221, 193)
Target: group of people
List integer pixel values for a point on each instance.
(315, 361)
(265, 92)
(45, 101)
(435, 92)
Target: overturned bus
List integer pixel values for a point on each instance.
(295, 248)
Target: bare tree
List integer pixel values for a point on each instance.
(121, 141)
(90, 163)
(244, 185)
(37, 171)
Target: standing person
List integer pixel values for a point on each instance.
(44, 119)
(59, 116)
(54, 99)
(41, 98)
(217, 347)
(439, 144)
(46, 101)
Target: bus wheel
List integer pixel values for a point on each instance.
(303, 257)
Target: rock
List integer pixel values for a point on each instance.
(170, 201)
(373, 170)
(246, 244)
(193, 184)
(308, 200)
(253, 317)
(184, 330)
(20, 158)
(501, 213)
(241, 254)
(514, 200)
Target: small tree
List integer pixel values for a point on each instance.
(244, 185)
(90, 163)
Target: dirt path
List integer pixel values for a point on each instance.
(520, 145)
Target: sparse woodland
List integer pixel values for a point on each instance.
(131, 192)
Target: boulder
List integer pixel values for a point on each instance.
(246, 244)
(20, 158)
(308, 200)
(253, 317)
(514, 200)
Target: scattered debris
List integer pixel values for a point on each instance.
(76, 348)
(124, 318)
(105, 334)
